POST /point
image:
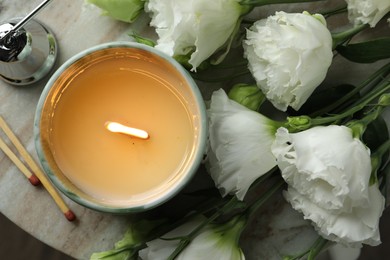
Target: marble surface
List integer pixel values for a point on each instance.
(77, 26)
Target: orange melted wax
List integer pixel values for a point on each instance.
(113, 166)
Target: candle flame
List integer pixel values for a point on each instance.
(119, 128)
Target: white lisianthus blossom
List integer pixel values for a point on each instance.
(328, 173)
(240, 142)
(215, 241)
(367, 11)
(289, 55)
(193, 27)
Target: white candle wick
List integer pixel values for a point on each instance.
(119, 128)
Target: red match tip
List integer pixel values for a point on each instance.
(70, 215)
(34, 180)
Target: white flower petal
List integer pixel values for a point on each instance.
(289, 56)
(367, 11)
(240, 145)
(349, 228)
(328, 173)
(216, 242)
(188, 25)
(325, 163)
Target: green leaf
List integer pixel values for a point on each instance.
(249, 96)
(325, 98)
(376, 134)
(380, 163)
(139, 39)
(366, 52)
(385, 183)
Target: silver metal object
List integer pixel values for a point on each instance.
(28, 50)
(25, 20)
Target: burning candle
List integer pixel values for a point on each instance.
(120, 128)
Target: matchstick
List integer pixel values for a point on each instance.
(38, 172)
(31, 177)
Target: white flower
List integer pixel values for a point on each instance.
(367, 11)
(213, 242)
(361, 225)
(196, 27)
(240, 142)
(328, 172)
(289, 56)
(123, 10)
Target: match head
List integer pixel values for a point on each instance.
(34, 180)
(70, 215)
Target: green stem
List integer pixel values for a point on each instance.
(341, 37)
(372, 94)
(243, 63)
(239, 225)
(352, 110)
(259, 202)
(301, 123)
(232, 204)
(248, 21)
(376, 160)
(317, 248)
(268, 2)
(264, 177)
(312, 252)
(335, 11)
(359, 126)
(184, 241)
(385, 147)
(373, 79)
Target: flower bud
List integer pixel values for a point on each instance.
(375, 164)
(122, 10)
(384, 100)
(357, 127)
(318, 17)
(298, 123)
(249, 96)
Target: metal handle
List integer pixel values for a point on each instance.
(25, 19)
